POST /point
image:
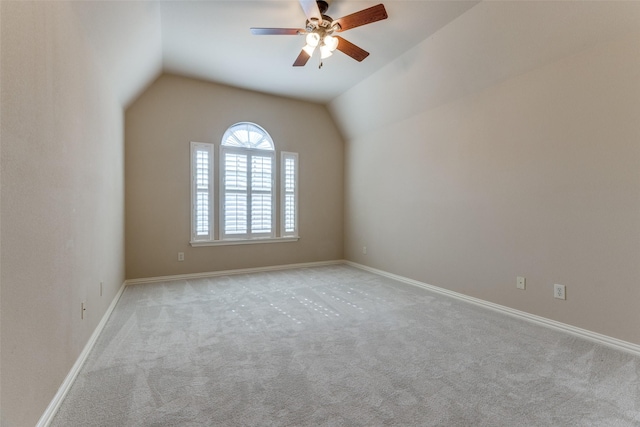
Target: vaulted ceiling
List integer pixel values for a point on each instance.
(137, 40)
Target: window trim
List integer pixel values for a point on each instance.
(233, 242)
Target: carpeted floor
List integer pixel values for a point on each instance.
(337, 346)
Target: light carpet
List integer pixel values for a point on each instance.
(338, 346)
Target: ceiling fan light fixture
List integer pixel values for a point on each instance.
(319, 29)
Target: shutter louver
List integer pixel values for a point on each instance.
(235, 213)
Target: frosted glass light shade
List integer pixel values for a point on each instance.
(309, 49)
(331, 42)
(325, 51)
(313, 39)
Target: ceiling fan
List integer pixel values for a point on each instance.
(320, 30)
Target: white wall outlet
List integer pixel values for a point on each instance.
(83, 308)
(559, 291)
(364, 250)
(180, 256)
(520, 282)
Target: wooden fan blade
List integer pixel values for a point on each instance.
(302, 59)
(277, 31)
(351, 49)
(311, 9)
(365, 16)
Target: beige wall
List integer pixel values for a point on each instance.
(538, 176)
(62, 202)
(158, 129)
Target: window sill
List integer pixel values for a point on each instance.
(230, 242)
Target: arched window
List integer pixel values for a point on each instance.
(247, 187)
(247, 190)
(247, 135)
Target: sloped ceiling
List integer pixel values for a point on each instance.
(127, 39)
(485, 46)
(210, 39)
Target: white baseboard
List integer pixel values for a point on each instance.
(583, 333)
(55, 403)
(230, 272)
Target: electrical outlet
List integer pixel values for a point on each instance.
(180, 256)
(520, 282)
(559, 291)
(83, 308)
(101, 288)
(364, 250)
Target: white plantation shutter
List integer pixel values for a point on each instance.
(201, 191)
(235, 193)
(247, 154)
(289, 194)
(260, 213)
(261, 194)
